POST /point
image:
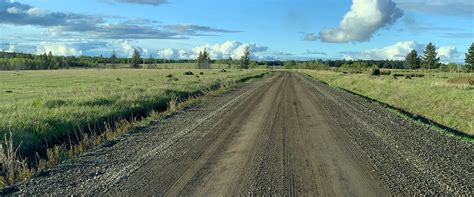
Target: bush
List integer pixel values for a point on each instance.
(374, 72)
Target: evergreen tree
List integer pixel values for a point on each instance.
(470, 58)
(229, 62)
(113, 59)
(204, 61)
(430, 59)
(245, 59)
(50, 60)
(412, 61)
(136, 57)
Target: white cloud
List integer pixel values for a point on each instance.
(169, 54)
(362, 21)
(10, 48)
(399, 50)
(228, 49)
(38, 12)
(13, 10)
(128, 48)
(69, 47)
(448, 54)
(58, 49)
(233, 49)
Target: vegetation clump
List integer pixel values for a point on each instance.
(374, 72)
(204, 60)
(462, 80)
(385, 72)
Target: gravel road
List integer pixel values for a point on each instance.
(285, 134)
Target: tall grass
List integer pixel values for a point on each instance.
(169, 95)
(433, 96)
(42, 107)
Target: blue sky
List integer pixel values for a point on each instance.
(273, 29)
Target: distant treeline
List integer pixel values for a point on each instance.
(47, 61)
(23, 61)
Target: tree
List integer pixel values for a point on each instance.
(245, 59)
(229, 62)
(289, 64)
(113, 59)
(412, 61)
(50, 60)
(470, 58)
(136, 58)
(430, 59)
(204, 61)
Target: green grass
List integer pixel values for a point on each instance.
(432, 96)
(41, 106)
(175, 66)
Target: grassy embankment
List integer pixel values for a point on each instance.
(437, 96)
(43, 106)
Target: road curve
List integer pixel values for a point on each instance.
(285, 135)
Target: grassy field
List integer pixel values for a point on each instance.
(175, 66)
(433, 96)
(39, 106)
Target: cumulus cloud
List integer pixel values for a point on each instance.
(8, 47)
(96, 26)
(228, 49)
(439, 7)
(127, 48)
(448, 54)
(58, 49)
(399, 50)
(362, 21)
(144, 2)
(175, 54)
(233, 49)
(72, 47)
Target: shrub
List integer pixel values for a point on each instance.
(374, 72)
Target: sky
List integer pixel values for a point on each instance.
(272, 29)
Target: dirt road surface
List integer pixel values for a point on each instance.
(285, 134)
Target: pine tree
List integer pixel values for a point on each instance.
(412, 60)
(204, 60)
(245, 59)
(229, 62)
(49, 60)
(430, 59)
(136, 58)
(113, 59)
(470, 58)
